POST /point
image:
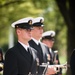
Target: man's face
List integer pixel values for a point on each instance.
(37, 32)
(48, 42)
(24, 34)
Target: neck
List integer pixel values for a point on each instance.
(24, 42)
(36, 38)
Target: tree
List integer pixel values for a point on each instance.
(66, 8)
(13, 10)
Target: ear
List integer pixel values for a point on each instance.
(18, 31)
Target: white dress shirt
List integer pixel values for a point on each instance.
(25, 46)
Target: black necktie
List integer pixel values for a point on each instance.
(39, 45)
(29, 51)
(51, 56)
(30, 54)
(40, 53)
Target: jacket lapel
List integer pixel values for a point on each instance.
(33, 44)
(44, 52)
(23, 52)
(34, 62)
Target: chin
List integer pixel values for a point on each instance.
(29, 38)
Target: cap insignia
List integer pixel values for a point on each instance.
(30, 22)
(52, 35)
(41, 21)
(17, 26)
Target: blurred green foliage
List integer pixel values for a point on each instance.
(12, 10)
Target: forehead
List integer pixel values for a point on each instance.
(47, 39)
(37, 27)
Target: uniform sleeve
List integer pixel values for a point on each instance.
(1, 56)
(10, 64)
(60, 72)
(72, 62)
(1, 60)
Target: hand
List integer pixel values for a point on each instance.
(51, 71)
(56, 62)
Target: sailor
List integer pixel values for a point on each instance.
(42, 50)
(48, 38)
(21, 59)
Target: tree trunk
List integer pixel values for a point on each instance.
(71, 33)
(69, 18)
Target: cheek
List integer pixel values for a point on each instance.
(42, 30)
(39, 31)
(25, 35)
(48, 43)
(51, 44)
(22, 34)
(28, 35)
(34, 32)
